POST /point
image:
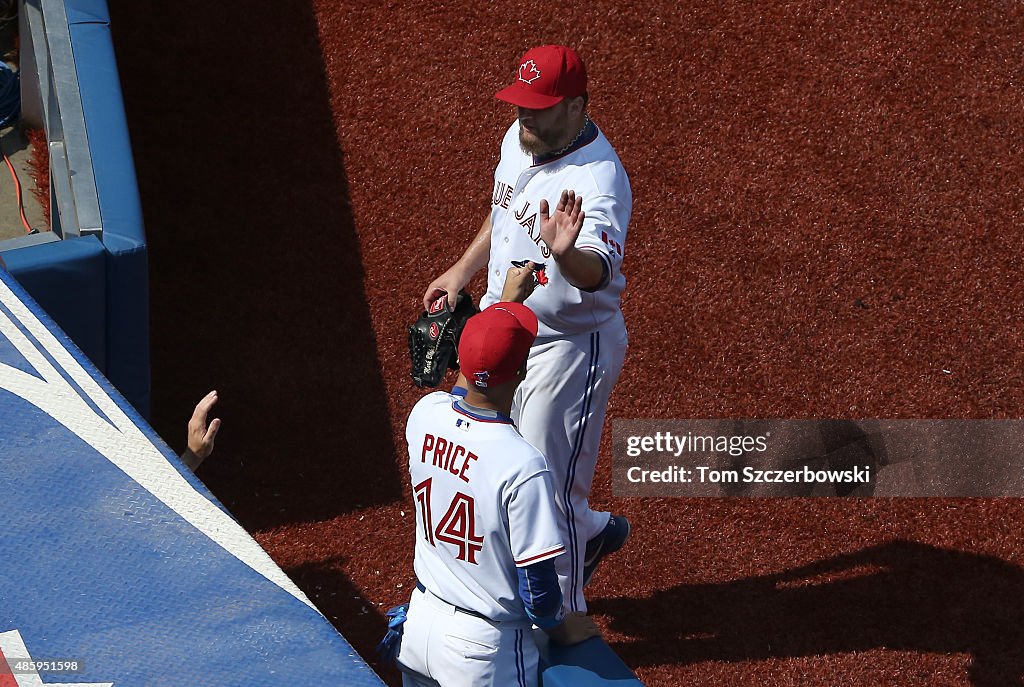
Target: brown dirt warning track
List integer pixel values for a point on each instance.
(828, 202)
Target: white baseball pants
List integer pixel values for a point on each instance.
(560, 409)
(442, 646)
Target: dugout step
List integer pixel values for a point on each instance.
(588, 664)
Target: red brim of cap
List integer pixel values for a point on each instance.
(521, 97)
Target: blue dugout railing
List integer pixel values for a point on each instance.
(90, 273)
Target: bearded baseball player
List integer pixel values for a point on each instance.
(486, 523)
(553, 155)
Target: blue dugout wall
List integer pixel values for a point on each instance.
(94, 283)
(118, 563)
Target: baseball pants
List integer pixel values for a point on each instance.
(445, 647)
(560, 409)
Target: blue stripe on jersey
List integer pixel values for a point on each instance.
(574, 553)
(520, 662)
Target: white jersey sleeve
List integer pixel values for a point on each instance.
(604, 232)
(533, 521)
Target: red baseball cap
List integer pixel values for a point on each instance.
(546, 76)
(495, 343)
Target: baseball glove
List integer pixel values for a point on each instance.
(434, 339)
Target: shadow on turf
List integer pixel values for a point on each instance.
(325, 583)
(899, 595)
(256, 277)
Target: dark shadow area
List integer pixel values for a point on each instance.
(825, 444)
(849, 445)
(899, 595)
(255, 270)
(360, 621)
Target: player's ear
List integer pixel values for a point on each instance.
(578, 105)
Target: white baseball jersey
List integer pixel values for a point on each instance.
(594, 172)
(484, 505)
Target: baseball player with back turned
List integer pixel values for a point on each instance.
(554, 155)
(486, 521)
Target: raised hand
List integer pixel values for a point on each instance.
(560, 230)
(201, 436)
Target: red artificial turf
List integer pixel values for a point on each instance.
(827, 204)
(39, 164)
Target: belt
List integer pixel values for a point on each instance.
(460, 609)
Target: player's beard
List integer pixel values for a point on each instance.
(540, 141)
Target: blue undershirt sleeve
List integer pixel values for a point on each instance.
(538, 587)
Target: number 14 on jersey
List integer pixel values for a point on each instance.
(457, 527)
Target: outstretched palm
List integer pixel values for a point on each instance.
(560, 230)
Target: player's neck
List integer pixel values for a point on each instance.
(498, 400)
(572, 134)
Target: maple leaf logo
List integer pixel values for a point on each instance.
(528, 72)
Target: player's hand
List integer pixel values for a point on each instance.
(560, 230)
(578, 627)
(201, 436)
(519, 283)
(450, 283)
